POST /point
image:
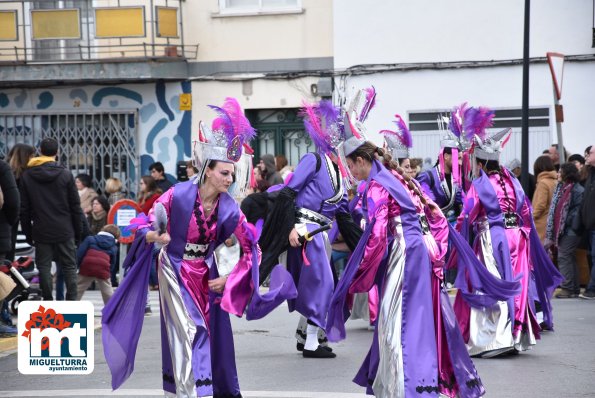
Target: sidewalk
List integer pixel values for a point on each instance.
(8, 345)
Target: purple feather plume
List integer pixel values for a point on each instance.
(314, 127)
(402, 134)
(476, 121)
(457, 118)
(232, 122)
(328, 112)
(406, 138)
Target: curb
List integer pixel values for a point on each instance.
(8, 344)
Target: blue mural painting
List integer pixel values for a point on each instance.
(46, 99)
(115, 92)
(163, 131)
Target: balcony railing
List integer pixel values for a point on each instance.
(51, 31)
(94, 53)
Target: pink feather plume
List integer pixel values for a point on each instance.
(232, 122)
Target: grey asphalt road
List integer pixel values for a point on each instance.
(561, 365)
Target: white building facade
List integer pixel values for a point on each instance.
(425, 57)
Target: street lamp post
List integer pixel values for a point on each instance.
(525, 105)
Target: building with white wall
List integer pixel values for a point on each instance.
(424, 57)
(269, 54)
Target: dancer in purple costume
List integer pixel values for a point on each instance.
(314, 197)
(440, 185)
(506, 241)
(417, 347)
(190, 220)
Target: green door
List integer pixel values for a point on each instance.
(280, 132)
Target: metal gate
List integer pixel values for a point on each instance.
(280, 132)
(102, 145)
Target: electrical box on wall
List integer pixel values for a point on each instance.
(325, 87)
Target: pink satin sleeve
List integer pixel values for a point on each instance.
(378, 197)
(165, 199)
(439, 230)
(239, 287)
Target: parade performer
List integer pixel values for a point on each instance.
(398, 144)
(312, 199)
(417, 346)
(495, 208)
(442, 183)
(190, 220)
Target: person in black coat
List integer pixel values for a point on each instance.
(9, 210)
(51, 217)
(256, 205)
(9, 216)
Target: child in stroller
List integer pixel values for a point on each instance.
(23, 273)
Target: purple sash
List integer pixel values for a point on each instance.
(122, 316)
(546, 275)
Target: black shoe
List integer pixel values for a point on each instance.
(320, 352)
(300, 347)
(148, 310)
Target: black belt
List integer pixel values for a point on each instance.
(511, 220)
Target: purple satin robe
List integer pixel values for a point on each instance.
(434, 358)
(213, 358)
(315, 281)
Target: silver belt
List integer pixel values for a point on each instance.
(193, 251)
(511, 220)
(304, 215)
(424, 224)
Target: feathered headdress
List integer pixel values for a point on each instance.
(464, 124)
(227, 141)
(398, 142)
(354, 130)
(467, 122)
(490, 147)
(356, 113)
(323, 124)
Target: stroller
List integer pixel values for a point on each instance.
(23, 272)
